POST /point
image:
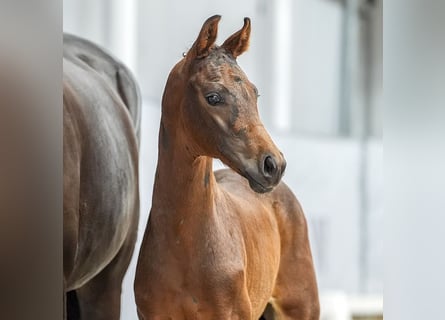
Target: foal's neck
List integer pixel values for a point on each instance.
(184, 184)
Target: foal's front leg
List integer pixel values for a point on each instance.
(295, 295)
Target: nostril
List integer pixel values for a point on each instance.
(270, 166)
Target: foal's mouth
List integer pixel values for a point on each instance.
(255, 185)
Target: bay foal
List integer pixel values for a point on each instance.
(221, 245)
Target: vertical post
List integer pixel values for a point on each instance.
(122, 28)
(355, 104)
(349, 45)
(283, 60)
(367, 49)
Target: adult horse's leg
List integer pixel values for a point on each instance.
(295, 295)
(100, 298)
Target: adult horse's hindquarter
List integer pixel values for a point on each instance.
(221, 245)
(101, 201)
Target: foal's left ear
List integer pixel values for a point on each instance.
(206, 38)
(238, 42)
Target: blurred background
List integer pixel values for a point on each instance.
(318, 67)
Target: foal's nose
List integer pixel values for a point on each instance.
(273, 169)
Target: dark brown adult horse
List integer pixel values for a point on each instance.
(101, 117)
(221, 245)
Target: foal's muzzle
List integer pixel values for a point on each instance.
(268, 173)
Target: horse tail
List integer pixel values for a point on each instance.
(130, 94)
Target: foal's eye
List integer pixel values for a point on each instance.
(213, 98)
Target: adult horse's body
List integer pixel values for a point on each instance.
(218, 246)
(101, 119)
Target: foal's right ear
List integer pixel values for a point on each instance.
(238, 42)
(206, 38)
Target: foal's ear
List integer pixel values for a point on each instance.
(206, 37)
(238, 42)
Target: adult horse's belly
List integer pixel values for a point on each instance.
(100, 174)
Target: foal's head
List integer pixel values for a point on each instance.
(218, 108)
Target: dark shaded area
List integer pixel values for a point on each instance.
(72, 306)
(268, 313)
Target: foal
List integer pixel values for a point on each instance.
(221, 245)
